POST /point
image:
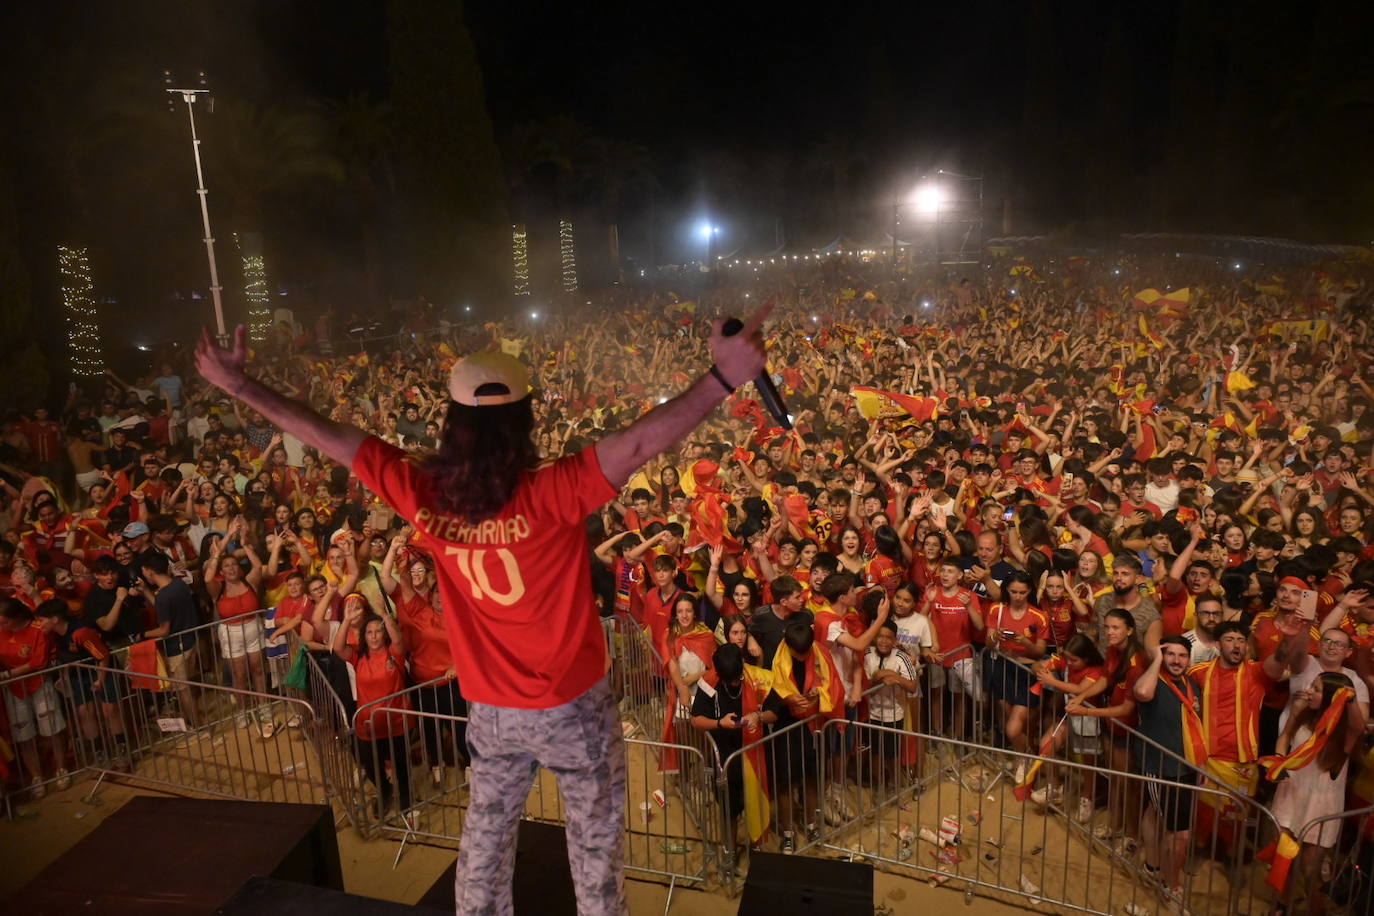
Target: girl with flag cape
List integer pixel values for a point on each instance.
(690, 646)
(1311, 767)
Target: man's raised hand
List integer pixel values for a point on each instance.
(740, 357)
(220, 367)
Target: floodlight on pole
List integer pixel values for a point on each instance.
(928, 197)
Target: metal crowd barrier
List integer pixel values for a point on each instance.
(161, 731)
(206, 662)
(864, 796)
(93, 738)
(1344, 878)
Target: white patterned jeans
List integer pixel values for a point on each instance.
(580, 742)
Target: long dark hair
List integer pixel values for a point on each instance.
(482, 453)
(1129, 651)
(1333, 755)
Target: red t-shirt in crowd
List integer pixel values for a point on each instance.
(953, 627)
(380, 674)
(28, 645)
(517, 589)
(425, 635)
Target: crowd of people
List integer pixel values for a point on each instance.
(1129, 494)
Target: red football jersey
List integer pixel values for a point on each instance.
(517, 590)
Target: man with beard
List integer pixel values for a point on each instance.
(1233, 688)
(1127, 576)
(1168, 701)
(1202, 638)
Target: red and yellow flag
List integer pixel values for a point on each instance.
(145, 658)
(1300, 756)
(1150, 335)
(1279, 855)
(820, 674)
(875, 403)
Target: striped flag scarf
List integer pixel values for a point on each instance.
(1279, 765)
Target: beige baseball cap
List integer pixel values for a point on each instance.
(504, 377)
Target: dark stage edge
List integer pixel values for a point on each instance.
(264, 896)
(174, 856)
(803, 886)
(543, 881)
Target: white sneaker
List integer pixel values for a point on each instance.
(1030, 889)
(436, 776)
(1041, 797)
(64, 780)
(1085, 810)
(36, 788)
(1020, 771)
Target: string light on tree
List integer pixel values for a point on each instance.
(78, 301)
(567, 255)
(255, 291)
(520, 255)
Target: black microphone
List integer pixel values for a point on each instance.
(768, 392)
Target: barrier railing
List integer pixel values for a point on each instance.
(1089, 831)
(1341, 876)
(995, 841)
(218, 747)
(204, 659)
(49, 734)
(331, 732)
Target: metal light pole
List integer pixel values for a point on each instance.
(895, 206)
(189, 97)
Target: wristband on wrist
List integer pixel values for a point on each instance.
(715, 370)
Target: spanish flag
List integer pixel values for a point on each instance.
(1023, 789)
(820, 674)
(1151, 336)
(1227, 421)
(145, 658)
(1194, 738)
(707, 510)
(874, 403)
(1173, 304)
(799, 514)
(702, 643)
(1278, 766)
(1279, 855)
